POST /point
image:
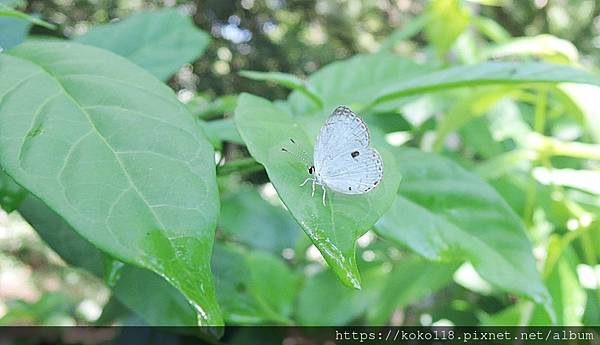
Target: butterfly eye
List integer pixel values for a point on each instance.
(311, 170)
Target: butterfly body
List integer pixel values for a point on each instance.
(343, 160)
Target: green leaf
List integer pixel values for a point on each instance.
(266, 129)
(580, 101)
(61, 237)
(223, 130)
(253, 287)
(484, 74)
(491, 29)
(272, 284)
(248, 219)
(409, 281)
(288, 80)
(153, 298)
(476, 135)
(446, 213)
(568, 297)
(592, 310)
(11, 194)
(159, 41)
(548, 47)
(464, 110)
(356, 82)
(111, 149)
(510, 316)
(448, 19)
(13, 31)
(322, 302)
(205, 109)
(6, 11)
(407, 31)
(160, 304)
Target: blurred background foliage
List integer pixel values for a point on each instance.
(300, 36)
(558, 197)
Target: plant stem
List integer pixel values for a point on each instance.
(540, 111)
(553, 147)
(538, 126)
(590, 256)
(244, 165)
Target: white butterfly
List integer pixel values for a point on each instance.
(343, 160)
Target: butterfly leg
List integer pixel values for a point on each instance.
(305, 181)
(324, 192)
(313, 188)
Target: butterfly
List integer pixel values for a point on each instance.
(343, 161)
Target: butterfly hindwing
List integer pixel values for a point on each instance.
(356, 172)
(342, 157)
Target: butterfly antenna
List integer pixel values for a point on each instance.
(298, 153)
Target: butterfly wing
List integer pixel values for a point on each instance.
(355, 173)
(342, 157)
(343, 132)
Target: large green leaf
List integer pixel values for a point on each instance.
(446, 213)
(254, 287)
(160, 304)
(548, 47)
(322, 302)
(287, 80)
(483, 74)
(160, 41)
(334, 229)
(409, 281)
(110, 149)
(249, 219)
(355, 82)
(568, 297)
(13, 31)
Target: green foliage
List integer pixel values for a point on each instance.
(160, 304)
(160, 42)
(69, 148)
(11, 194)
(334, 228)
(409, 282)
(254, 287)
(13, 31)
(118, 176)
(248, 219)
(447, 20)
(6, 11)
(445, 213)
(338, 304)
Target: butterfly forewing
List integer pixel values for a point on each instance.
(343, 132)
(342, 157)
